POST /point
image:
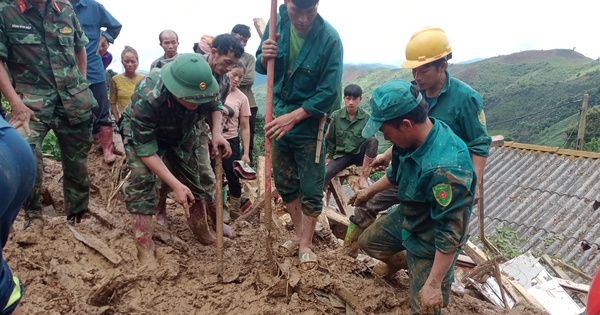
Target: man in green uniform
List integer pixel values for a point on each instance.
(436, 180)
(308, 57)
(163, 138)
(345, 144)
(43, 47)
(450, 100)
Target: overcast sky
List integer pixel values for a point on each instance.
(373, 31)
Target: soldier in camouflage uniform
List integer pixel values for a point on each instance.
(43, 46)
(225, 53)
(435, 176)
(163, 136)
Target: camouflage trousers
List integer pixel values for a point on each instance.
(297, 175)
(192, 169)
(385, 237)
(74, 142)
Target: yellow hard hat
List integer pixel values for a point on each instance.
(426, 45)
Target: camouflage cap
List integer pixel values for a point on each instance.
(190, 78)
(390, 100)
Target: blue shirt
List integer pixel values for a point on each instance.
(92, 16)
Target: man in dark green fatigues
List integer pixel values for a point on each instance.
(162, 138)
(43, 46)
(308, 57)
(435, 176)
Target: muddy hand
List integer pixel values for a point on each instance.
(277, 128)
(360, 198)
(381, 162)
(219, 143)
(184, 196)
(21, 115)
(430, 298)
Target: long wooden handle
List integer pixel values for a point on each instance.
(219, 201)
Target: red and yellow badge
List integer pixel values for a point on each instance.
(481, 117)
(66, 30)
(443, 194)
(202, 86)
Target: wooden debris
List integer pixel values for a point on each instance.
(98, 245)
(103, 293)
(584, 288)
(571, 269)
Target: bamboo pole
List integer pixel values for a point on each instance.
(219, 201)
(268, 144)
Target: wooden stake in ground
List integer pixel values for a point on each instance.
(219, 200)
(268, 144)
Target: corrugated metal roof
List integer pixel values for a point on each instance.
(543, 194)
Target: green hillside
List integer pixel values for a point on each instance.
(530, 96)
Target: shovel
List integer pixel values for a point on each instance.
(219, 228)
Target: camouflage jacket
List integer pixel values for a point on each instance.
(154, 120)
(40, 55)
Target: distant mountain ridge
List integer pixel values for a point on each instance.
(528, 96)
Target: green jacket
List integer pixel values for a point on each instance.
(436, 188)
(344, 135)
(40, 55)
(155, 120)
(461, 108)
(314, 83)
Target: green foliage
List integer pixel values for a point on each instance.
(5, 105)
(50, 146)
(506, 241)
(592, 131)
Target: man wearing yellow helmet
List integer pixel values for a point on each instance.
(451, 101)
(162, 138)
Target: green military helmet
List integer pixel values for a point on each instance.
(190, 78)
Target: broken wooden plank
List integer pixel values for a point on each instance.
(497, 141)
(98, 245)
(523, 292)
(584, 288)
(337, 221)
(259, 25)
(478, 256)
(571, 269)
(338, 194)
(465, 260)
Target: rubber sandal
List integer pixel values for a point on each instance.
(289, 248)
(308, 260)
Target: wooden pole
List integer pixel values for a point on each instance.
(219, 200)
(582, 121)
(268, 144)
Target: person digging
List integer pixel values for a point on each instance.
(165, 136)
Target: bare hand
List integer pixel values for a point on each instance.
(269, 48)
(360, 198)
(183, 195)
(430, 297)
(246, 158)
(381, 161)
(219, 143)
(280, 126)
(21, 115)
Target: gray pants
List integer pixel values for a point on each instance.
(366, 215)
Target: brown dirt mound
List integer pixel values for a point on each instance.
(65, 276)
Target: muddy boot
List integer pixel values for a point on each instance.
(34, 225)
(211, 209)
(142, 232)
(119, 148)
(351, 240)
(198, 224)
(106, 139)
(363, 181)
(391, 265)
(161, 210)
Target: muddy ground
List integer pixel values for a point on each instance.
(65, 276)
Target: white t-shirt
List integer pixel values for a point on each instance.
(236, 106)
